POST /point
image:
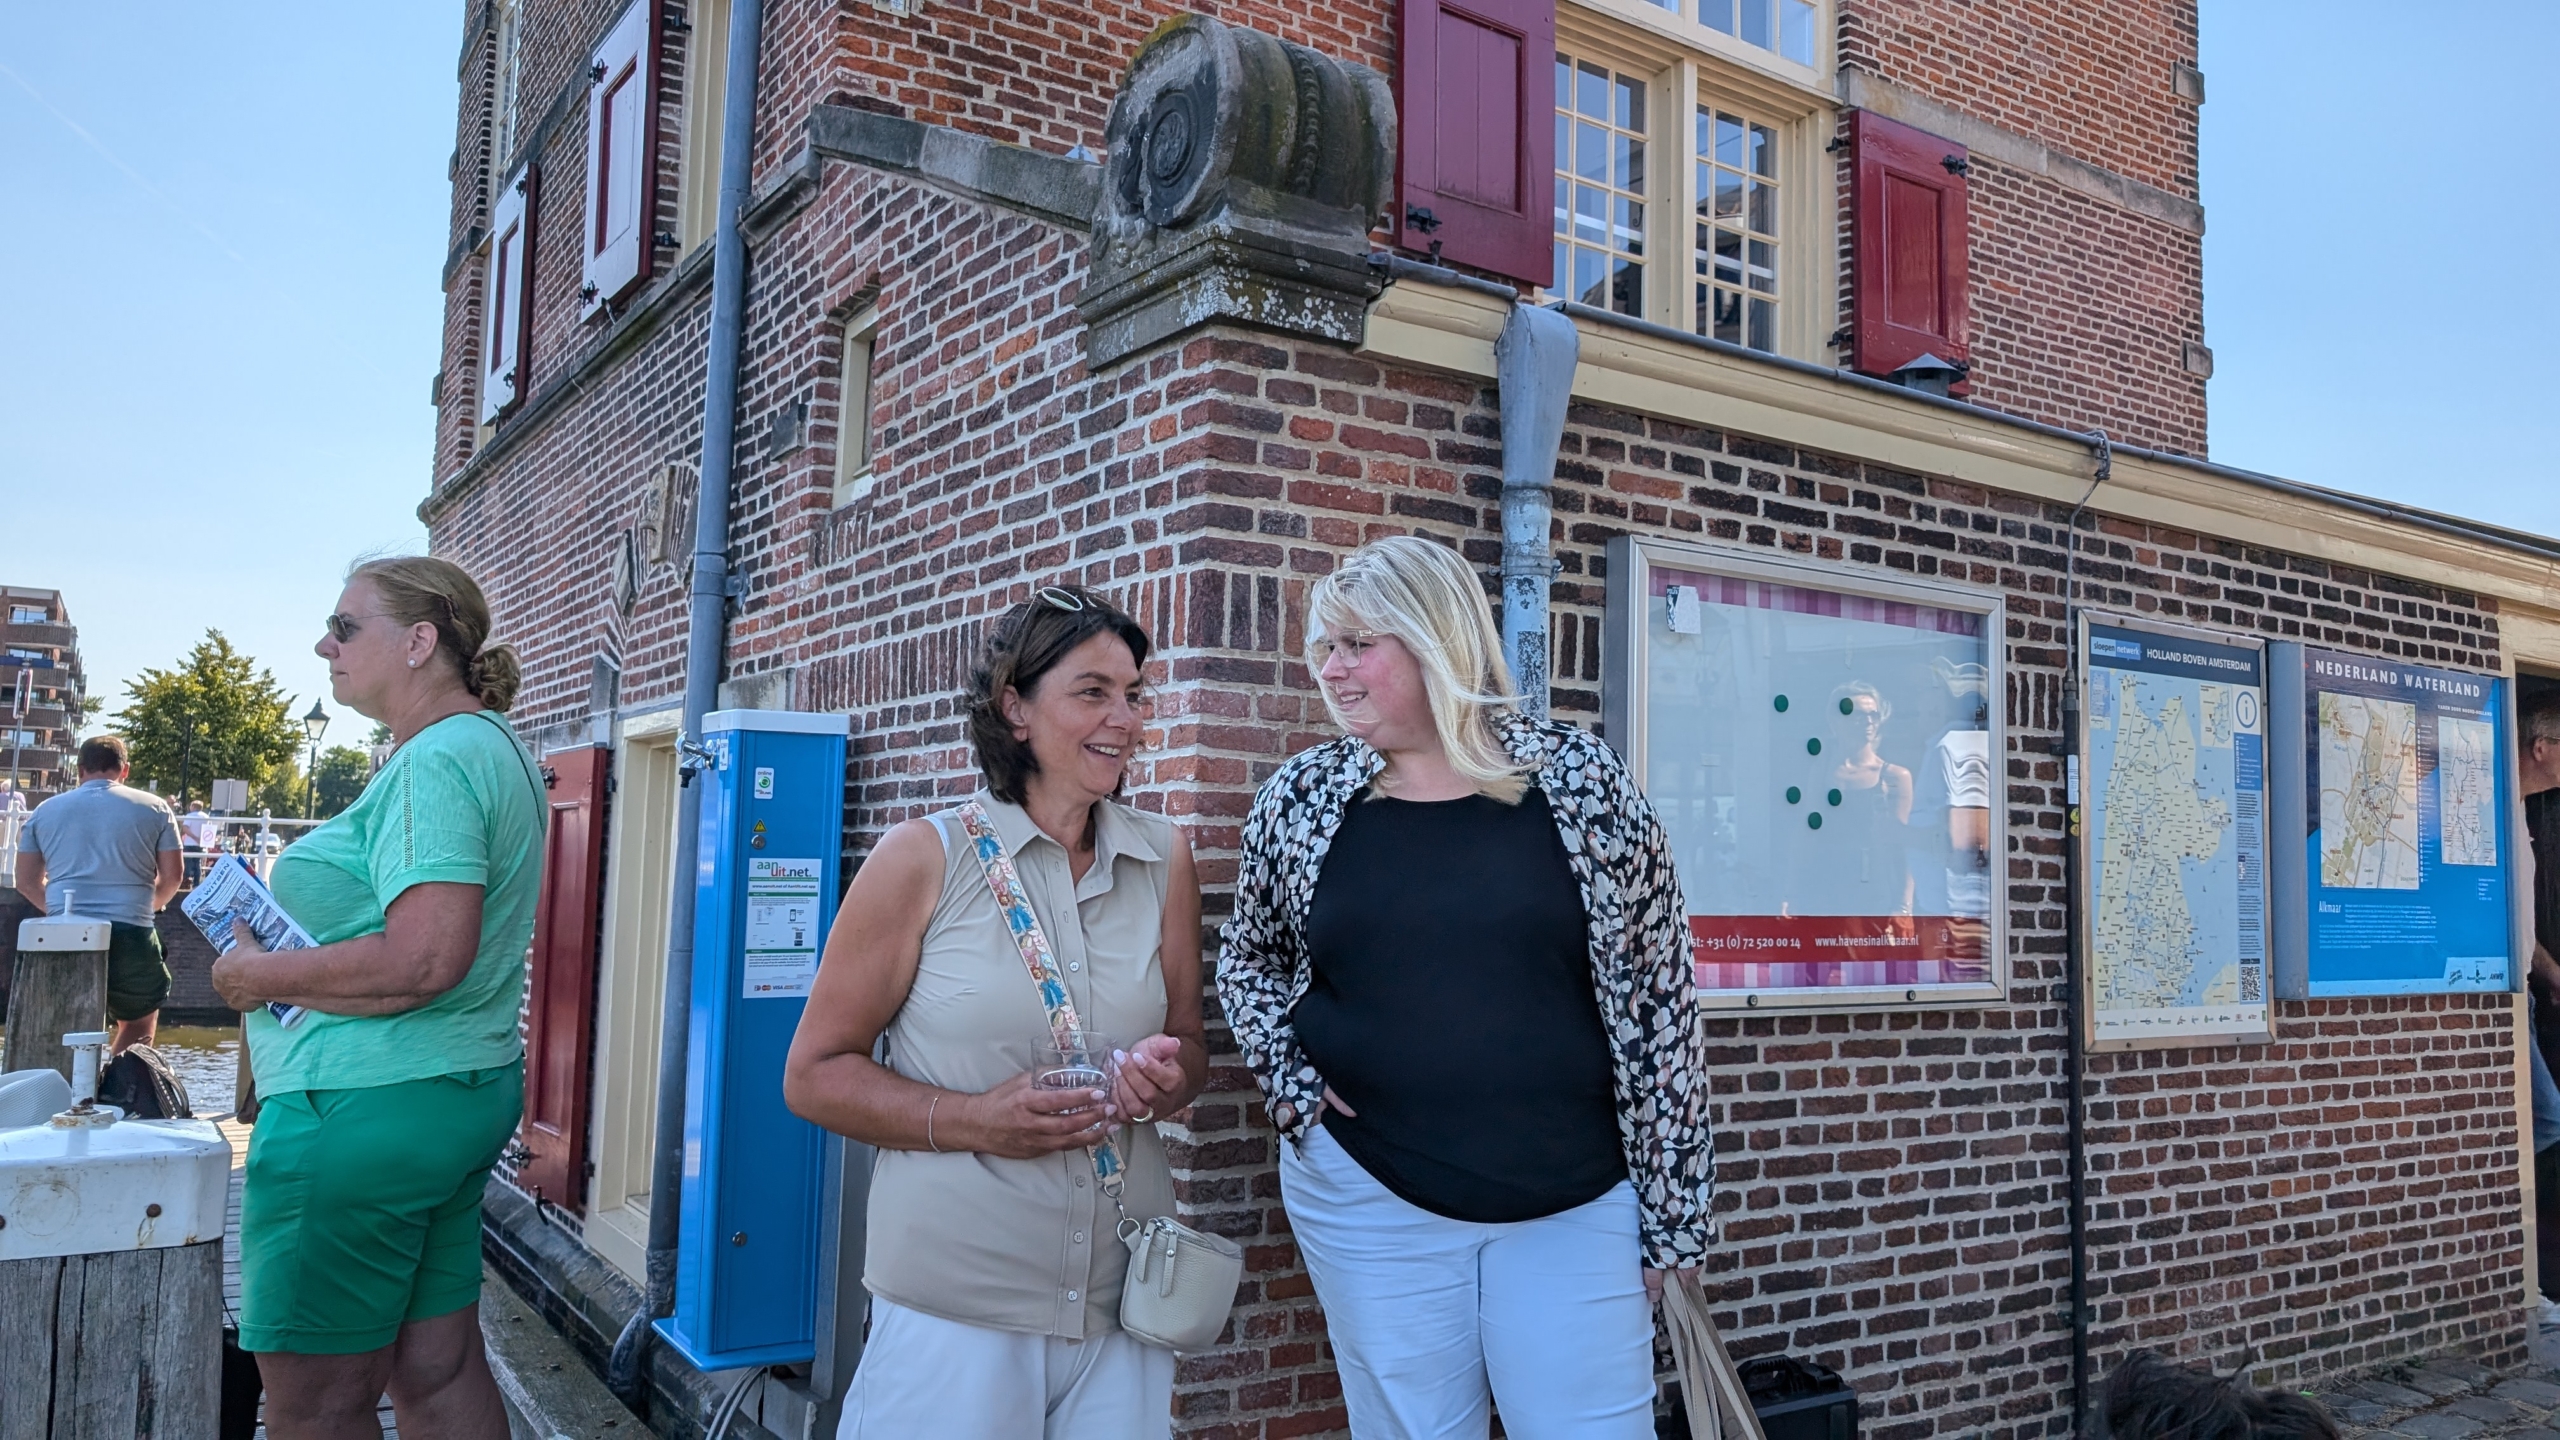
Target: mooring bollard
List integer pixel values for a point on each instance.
(110, 1267)
(58, 985)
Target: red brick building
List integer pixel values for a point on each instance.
(954, 387)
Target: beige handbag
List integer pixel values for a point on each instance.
(1181, 1281)
(1719, 1408)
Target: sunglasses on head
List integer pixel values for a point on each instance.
(1058, 597)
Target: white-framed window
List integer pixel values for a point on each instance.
(506, 74)
(853, 475)
(1692, 189)
(1738, 285)
(706, 89)
(1602, 117)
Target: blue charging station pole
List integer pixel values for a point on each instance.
(747, 1258)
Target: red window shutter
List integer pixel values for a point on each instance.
(506, 307)
(1475, 116)
(560, 997)
(622, 157)
(1907, 206)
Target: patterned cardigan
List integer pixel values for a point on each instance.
(1640, 956)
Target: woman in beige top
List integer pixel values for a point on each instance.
(992, 1257)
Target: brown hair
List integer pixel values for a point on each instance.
(1027, 643)
(424, 590)
(104, 755)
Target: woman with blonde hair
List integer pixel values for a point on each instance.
(1459, 967)
(387, 1058)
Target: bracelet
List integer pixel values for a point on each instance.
(930, 1106)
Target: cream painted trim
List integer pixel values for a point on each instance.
(631, 971)
(1451, 329)
(1678, 28)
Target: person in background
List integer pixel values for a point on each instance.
(2538, 768)
(196, 831)
(993, 1266)
(384, 1106)
(1459, 966)
(106, 851)
(2149, 1398)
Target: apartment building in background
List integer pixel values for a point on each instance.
(1898, 297)
(42, 692)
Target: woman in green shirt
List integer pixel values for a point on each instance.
(388, 1099)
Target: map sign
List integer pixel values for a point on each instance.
(2174, 935)
(2390, 803)
(2368, 793)
(1826, 764)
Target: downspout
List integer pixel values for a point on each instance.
(2078, 1004)
(703, 642)
(1533, 364)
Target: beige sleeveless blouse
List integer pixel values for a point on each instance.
(1022, 1245)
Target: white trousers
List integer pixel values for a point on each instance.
(926, 1378)
(1434, 1320)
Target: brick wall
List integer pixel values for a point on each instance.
(2080, 309)
(2081, 312)
(1892, 1182)
(2091, 80)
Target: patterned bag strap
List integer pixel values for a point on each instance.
(997, 866)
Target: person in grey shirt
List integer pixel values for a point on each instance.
(107, 851)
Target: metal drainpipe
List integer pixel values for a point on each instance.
(703, 644)
(1533, 363)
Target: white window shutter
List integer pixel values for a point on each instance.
(621, 153)
(504, 308)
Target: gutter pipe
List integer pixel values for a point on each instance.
(704, 639)
(1533, 365)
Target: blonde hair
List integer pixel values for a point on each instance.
(424, 590)
(1427, 596)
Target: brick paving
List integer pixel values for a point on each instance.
(2452, 1400)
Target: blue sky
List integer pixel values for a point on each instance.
(223, 311)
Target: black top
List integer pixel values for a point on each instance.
(1451, 1003)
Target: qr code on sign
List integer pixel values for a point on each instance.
(2253, 988)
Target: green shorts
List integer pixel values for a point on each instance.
(137, 971)
(361, 1208)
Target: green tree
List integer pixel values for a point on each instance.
(213, 714)
(344, 769)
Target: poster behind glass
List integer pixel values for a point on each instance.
(1827, 765)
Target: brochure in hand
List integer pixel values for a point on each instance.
(232, 891)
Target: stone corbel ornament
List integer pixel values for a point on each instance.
(1243, 176)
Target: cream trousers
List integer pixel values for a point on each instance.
(1434, 1321)
(926, 1378)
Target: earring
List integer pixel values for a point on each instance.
(413, 664)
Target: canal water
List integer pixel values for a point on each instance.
(206, 1060)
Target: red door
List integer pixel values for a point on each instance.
(560, 1000)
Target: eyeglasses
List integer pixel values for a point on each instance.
(1352, 646)
(1058, 597)
(342, 626)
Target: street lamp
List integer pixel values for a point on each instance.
(314, 725)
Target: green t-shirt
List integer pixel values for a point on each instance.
(460, 803)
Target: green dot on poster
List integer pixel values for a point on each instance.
(1834, 797)
(1813, 821)
(1846, 705)
(1781, 703)
(1794, 794)
(1813, 746)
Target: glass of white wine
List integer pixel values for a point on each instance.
(1073, 1060)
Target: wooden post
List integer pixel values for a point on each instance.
(125, 1345)
(58, 985)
